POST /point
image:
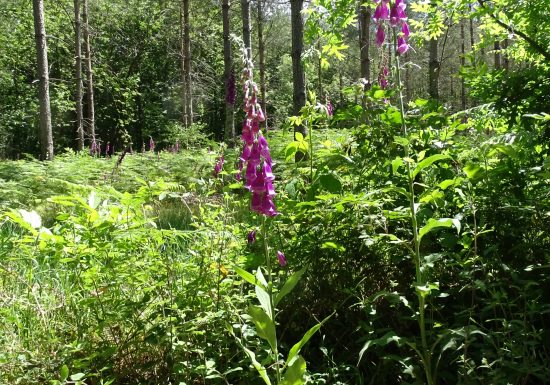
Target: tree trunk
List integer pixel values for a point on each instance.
(78, 73)
(245, 9)
(261, 53)
(462, 64)
(298, 75)
(187, 65)
(46, 138)
(320, 71)
(364, 41)
(505, 57)
(434, 70)
(90, 119)
(184, 112)
(229, 130)
(498, 59)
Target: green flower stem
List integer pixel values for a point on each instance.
(310, 131)
(426, 359)
(270, 293)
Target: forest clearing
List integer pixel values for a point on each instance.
(274, 192)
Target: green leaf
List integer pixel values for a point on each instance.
(249, 277)
(396, 163)
(264, 326)
(436, 223)
(472, 170)
(77, 376)
(427, 162)
(298, 346)
(64, 373)
(331, 183)
(261, 370)
(382, 341)
(263, 295)
(289, 285)
(294, 374)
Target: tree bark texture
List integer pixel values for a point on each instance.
(186, 53)
(364, 40)
(245, 9)
(229, 130)
(433, 67)
(298, 74)
(90, 116)
(498, 58)
(462, 63)
(261, 53)
(46, 138)
(78, 74)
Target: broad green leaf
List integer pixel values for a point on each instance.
(294, 374)
(289, 285)
(472, 170)
(434, 224)
(426, 289)
(382, 341)
(264, 326)
(77, 376)
(396, 163)
(262, 294)
(298, 346)
(331, 183)
(249, 277)
(427, 162)
(63, 373)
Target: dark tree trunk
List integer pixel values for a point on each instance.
(229, 129)
(188, 89)
(364, 41)
(46, 138)
(462, 63)
(505, 57)
(433, 67)
(245, 8)
(261, 53)
(298, 75)
(498, 58)
(78, 73)
(90, 118)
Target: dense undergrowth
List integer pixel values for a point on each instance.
(126, 275)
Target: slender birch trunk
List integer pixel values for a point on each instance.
(261, 53)
(229, 131)
(46, 137)
(78, 73)
(90, 116)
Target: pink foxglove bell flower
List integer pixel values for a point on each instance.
(151, 144)
(402, 45)
(380, 35)
(405, 30)
(251, 237)
(219, 165)
(330, 108)
(282, 259)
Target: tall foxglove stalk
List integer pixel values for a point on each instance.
(394, 15)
